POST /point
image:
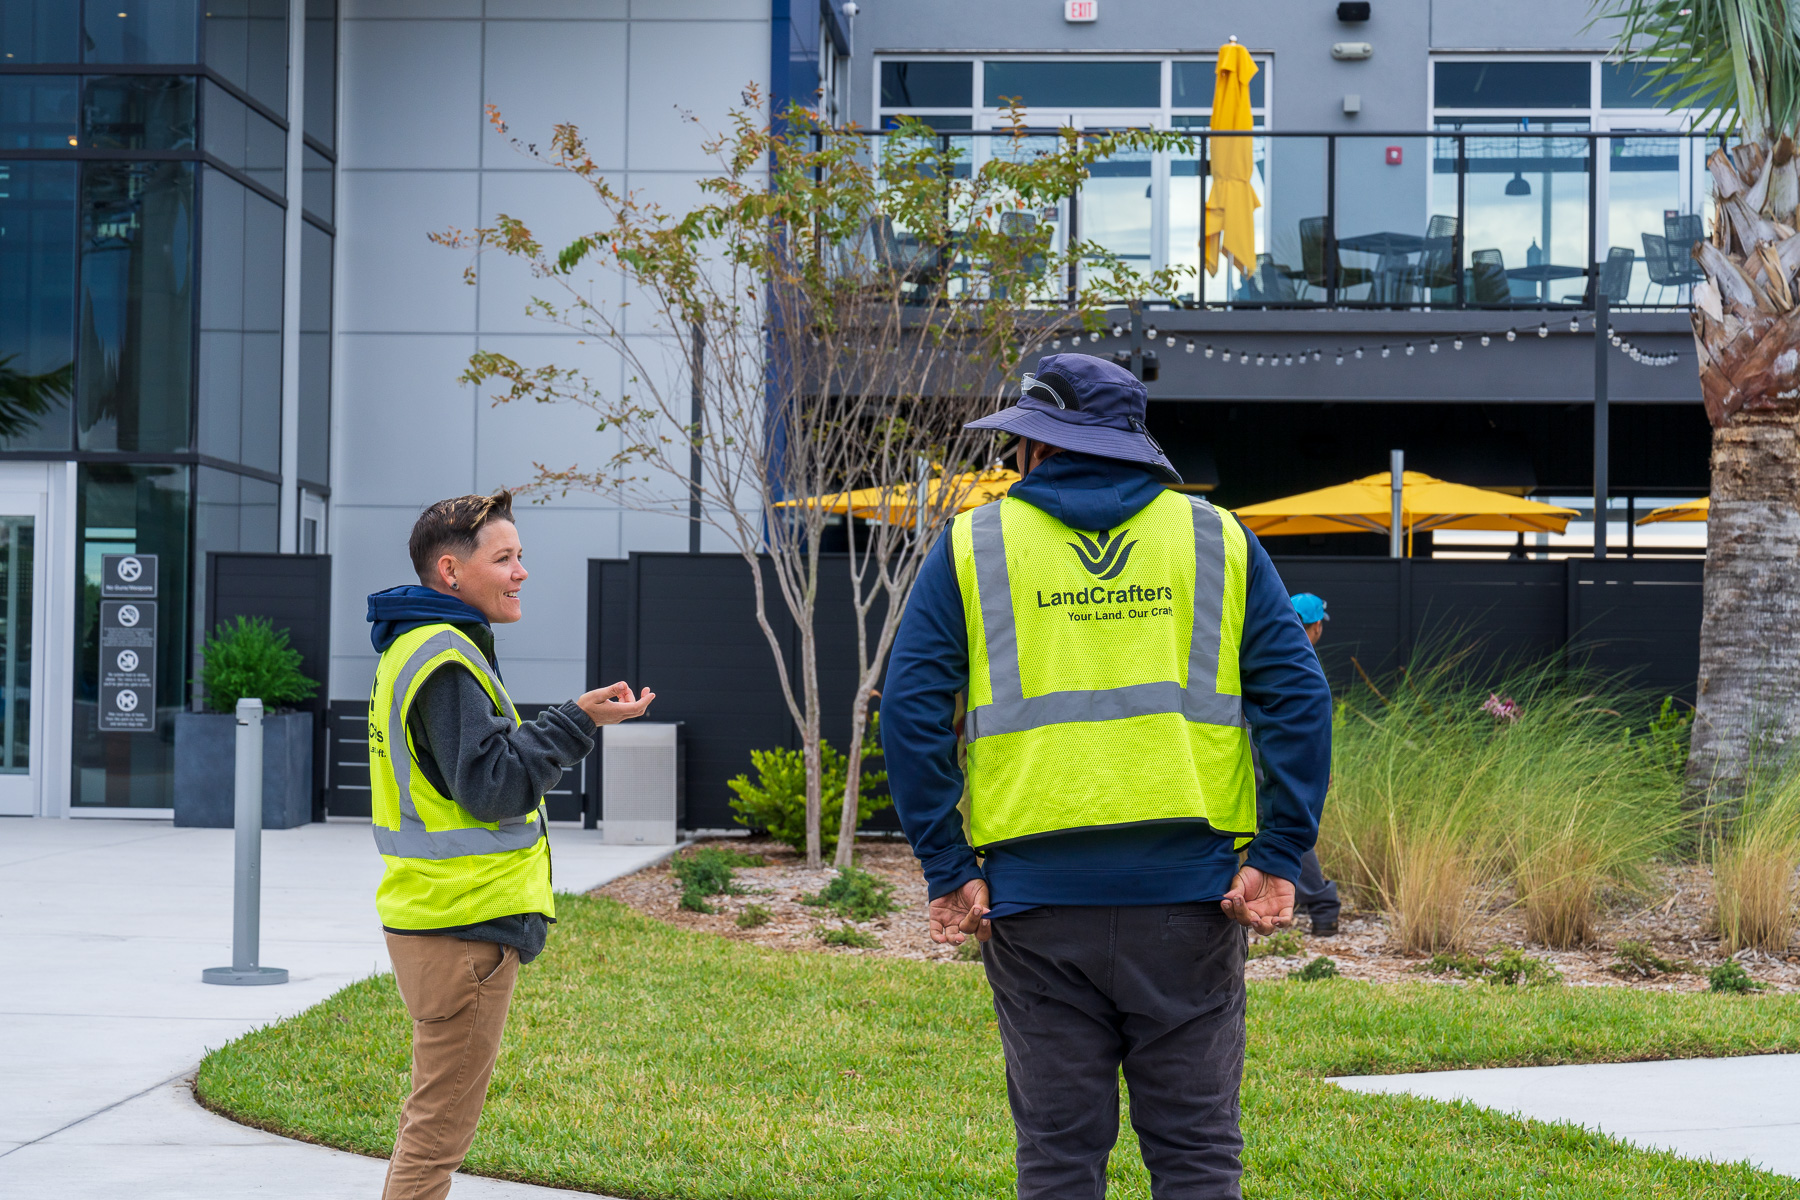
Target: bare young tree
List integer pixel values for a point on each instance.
(805, 344)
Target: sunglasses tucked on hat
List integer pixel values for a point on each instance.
(1309, 608)
(1091, 405)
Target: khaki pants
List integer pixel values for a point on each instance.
(457, 993)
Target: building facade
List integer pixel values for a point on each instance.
(224, 325)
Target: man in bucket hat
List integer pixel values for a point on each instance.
(1118, 647)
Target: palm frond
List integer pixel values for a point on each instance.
(1731, 59)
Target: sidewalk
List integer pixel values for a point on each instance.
(1724, 1109)
(105, 926)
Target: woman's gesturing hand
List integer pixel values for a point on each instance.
(610, 705)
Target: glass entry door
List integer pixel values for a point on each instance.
(21, 622)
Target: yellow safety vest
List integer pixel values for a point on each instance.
(444, 867)
(1103, 671)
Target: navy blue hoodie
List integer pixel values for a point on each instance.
(1286, 702)
(400, 609)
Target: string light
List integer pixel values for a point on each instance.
(1574, 324)
(1409, 349)
(1543, 331)
(1094, 336)
(1259, 360)
(1118, 331)
(1299, 357)
(1512, 335)
(1359, 352)
(1056, 343)
(1384, 352)
(1171, 341)
(1340, 358)
(1484, 339)
(1318, 356)
(1434, 345)
(1151, 333)
(1456, 344)
(1227, 357)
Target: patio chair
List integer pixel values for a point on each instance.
(1683, 230)
(1659, 261)
(1487, 279)
(1614, 278)
(1312, 271)
(1435, 272)
(1274, 281)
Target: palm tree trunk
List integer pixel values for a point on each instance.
(1748, 705)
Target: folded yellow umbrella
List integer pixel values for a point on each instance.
(971, 489)
(1693, 510)
(1231, 202)
(1366, 505)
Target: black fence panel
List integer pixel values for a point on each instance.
(293, 591)
(348, 756)
(685, 625)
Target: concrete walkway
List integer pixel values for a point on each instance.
(1723, 1109)
(105, 926)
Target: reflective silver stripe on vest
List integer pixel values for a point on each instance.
(412, 839)
(456, 843)
(1011, 712)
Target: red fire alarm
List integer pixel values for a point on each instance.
(1393, 156)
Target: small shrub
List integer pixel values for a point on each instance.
(1636, 960)
(1508, 968)
(1666, 741)
(848, 935)
(855, 894)
(1285, 944)
(754, 915)
(969, 951)
(1515, 968)
(252, 659)
(708, 872)
(1319, 968)
(777, 800)
(1731, 978)
(1467, 966)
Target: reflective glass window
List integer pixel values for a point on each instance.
(142, 31)
(240, 324)
(37, 330)
(234, 513)
(321, 72)
(133, 509)
(1191, 84)
(247, 43)
(133, 373)
(1070, 83)
(1630, 85)
(138, 112)
(39, 31)
(927, 84)
(315, 184)
(1517, 85)
(39, 112)
(315, 355)
(244, 138)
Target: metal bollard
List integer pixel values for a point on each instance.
(246, 925)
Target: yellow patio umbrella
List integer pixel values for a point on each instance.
(1693, 510)
(1366, 505)
(896, 503)
(1231, 203)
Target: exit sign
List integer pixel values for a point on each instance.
(1081, 10)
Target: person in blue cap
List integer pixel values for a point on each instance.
(1312, 891)
(1068, 717)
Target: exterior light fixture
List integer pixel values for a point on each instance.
(1484, 339)
(1118, 330)
(1616, 339)
(1456, 344)
(1056, 343)
(1384, 352)
(1512, 335)
(1094, 336)
(1318, 356)
(1574, 325)
(1543, 330)
(1340, 359)
(1259, 360)
(1409, 349)
(1359, 352)
(1243, 358)
(1171, 341)
(1434, 345)
(1226, 357)
(1518, 185)
(1290, 361)
(1151, 333)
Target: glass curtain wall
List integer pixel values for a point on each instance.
(146, 332)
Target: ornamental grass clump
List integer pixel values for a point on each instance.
(1754, 864)
(1445, 792)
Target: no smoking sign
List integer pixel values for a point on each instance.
(127, 666)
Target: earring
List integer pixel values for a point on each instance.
(455, 586)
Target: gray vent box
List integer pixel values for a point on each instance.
(640, 783)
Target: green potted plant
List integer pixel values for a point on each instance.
(246, 658)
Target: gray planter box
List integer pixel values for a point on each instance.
(206, 769)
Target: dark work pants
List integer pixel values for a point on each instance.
(1157, 990)
(1315, 893)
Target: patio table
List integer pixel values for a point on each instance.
(1394, 250)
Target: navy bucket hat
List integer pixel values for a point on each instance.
(1093, 405)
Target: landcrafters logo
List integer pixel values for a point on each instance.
(1105, 557)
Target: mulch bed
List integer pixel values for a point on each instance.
(1675, 923)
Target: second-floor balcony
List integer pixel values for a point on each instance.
(1476, 214)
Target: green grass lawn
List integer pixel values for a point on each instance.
(644, 1061)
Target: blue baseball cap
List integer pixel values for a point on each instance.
(1092, 405)
(1310, 609)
